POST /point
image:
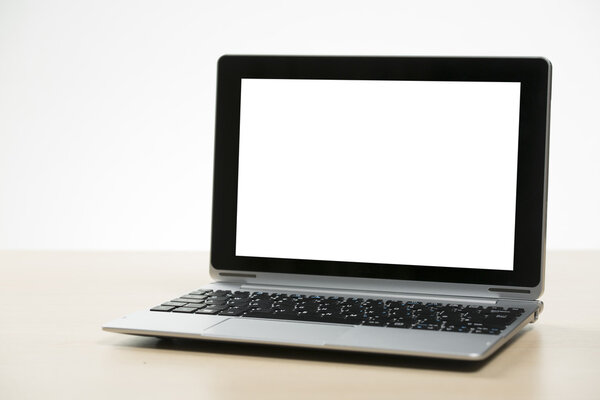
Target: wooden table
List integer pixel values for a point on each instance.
(51, 345)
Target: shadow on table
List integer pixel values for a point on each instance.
(322, 355)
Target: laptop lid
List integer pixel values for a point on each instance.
(366, 170)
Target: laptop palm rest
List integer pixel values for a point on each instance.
(338, 336)
(276, 331)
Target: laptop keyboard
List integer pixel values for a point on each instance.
(346, 310)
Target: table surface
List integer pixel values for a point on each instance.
(51, 345)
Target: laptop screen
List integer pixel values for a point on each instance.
(419, 173)
(422, 169)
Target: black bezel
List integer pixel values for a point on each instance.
(534, 75)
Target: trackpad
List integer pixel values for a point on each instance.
(276, 331)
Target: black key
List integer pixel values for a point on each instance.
(499, 312)
(259, 314)
(395, 305)
(476, 308)
(306, 308)
(173, 303)
(210, 310)
(345, 321)
(453, 321)
(185, 309)
(456, 328)
(220, 293)
(398, 312)
(291, 316)
(223, 298)
(266, 309)
(400, 324)
(260, 303)
(215, 302)
(259, 295)
(310, 316)
(429, 320)
(195, 305)
(193, 296)
(500, 319)
(244, 300)
(238, 302)
(333, 319)
(454, 306)
(201, 291)
(183, 300)
(317, 317)
(479, 319)
(162, 308)
(233, 311)
(284, 314)
(374, 322)
(487, 331)
(352, 320)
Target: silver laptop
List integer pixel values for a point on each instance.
(375, 204)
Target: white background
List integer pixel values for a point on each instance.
(107, 107)
(379, 171)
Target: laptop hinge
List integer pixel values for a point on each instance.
(369, 293)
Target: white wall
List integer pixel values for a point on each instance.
(107, 107)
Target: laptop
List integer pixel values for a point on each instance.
(390, 205)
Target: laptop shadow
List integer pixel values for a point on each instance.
(317, 355)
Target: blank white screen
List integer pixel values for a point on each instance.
(393, 172)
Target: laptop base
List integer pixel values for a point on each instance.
(385, 340)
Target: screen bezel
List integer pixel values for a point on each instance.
(532, 73)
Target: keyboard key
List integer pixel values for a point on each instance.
(400, 324)
(210, 310)
(233, 311)
(201, 292)
(195, 305)
(186, 300)
(220, 293)
(193, 296)
(162, 308)
(455, 328)
(500, 319)
(486, 331)
(427, 327)
(215, 302)
(345, 321)
(374, 322)
(264, 314)
(188, 310)
(173, 303)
